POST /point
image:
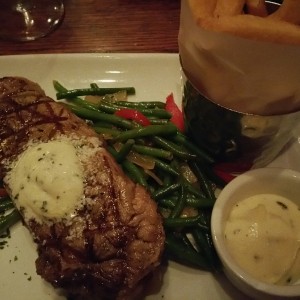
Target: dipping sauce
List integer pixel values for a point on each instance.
(263, 236)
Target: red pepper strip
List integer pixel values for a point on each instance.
(236, 167)
(133, 114)
(173, 109)
(227, 177)
(3, 192)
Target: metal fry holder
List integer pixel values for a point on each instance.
(245, 140)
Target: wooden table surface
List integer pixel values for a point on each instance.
(111, 26)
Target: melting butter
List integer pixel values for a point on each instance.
(46, 182)
(263, 236)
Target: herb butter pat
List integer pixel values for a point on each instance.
(263, 236)
(46, 181)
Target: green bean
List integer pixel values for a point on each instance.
(211, 175)
(94, 86)
(102, 124)
(93, 91)
(82, 103)
(175, 149)
(196, 198)
(99, 116)
(112, 151)
(193, 190)
(61, 89)
(167, 202)
(167, 179)
(166, 167)
(185, 222)
(156, 121)
(107, 107)
(141, 104)
(202, 155)
(135, 173)
(58, 87)
(205, 216)
(213, 252)
(152, 151)
(165, 191)
(111, 108)
(184, 253)
(203, 181)
(5, 204)
(199, 202)
(176, 212)
(175, 163)
(150, 130)
(202, 243)
(104, 130)
(156, 112)
(125, 150)
(6, 221)
(190, 201)
(185, 239)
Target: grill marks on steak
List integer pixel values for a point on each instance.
(116, 238)
(26, 113)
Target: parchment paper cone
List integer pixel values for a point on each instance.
(241, 74)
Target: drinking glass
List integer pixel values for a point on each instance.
(27, 20)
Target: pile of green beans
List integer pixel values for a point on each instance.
(186, 206)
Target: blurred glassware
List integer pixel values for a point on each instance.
(27, 20)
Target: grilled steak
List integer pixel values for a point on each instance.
(104, 242)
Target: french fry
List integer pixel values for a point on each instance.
(255, 28)
(256, 7)
(229, 8)
(203, 8)
(289, 11)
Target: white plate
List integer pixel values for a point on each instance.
(154, 76)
